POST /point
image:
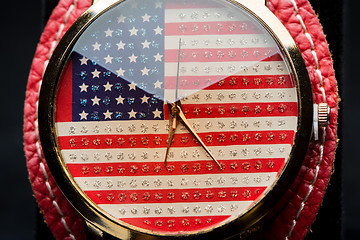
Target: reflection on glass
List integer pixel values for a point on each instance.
(112, 116)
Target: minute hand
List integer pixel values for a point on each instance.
(192, 131)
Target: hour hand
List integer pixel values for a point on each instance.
(172, 126)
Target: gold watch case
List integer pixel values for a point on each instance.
(100, 220)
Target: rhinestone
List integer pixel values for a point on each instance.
(185, 222)
(209, 208)
(197, 195)
(245, 151)
(122, 197)
(247, 194)
(146, 210)
(209, 194)
(257, 151)
(233, 207)
(221, 209)
(258, 165)
(146, 197)
(246, 180)
(145, 183)
(134, 197)
(158, 210)
(196, 182)
(197, 209)
(185, 195)
(133, 183)
(121, 183)
(221, 180)
(234, 180)
(158, 196)
(157, 183)
(170, 182)
(257, 179)
(186, 210)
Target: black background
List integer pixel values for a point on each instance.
(21, 26)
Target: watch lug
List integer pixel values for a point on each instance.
(93, 233)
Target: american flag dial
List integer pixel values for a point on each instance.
(112, 116)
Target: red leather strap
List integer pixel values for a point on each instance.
(293, 220)
(64, 222)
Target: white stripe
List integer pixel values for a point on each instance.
(176, 181)
(221, 96)
(222, 41)
(178, 209)
(189, 154)
(245, 68)
(202, 15)
(201, 125)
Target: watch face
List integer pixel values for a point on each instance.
(227, 75)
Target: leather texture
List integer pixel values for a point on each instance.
(303, 199)
(64, 222)
(305, 196)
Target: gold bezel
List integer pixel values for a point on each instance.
(100, 219)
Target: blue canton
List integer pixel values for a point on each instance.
(118, 65)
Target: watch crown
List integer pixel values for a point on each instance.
(323, 114)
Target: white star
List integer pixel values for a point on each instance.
(157, 113)
(146, 44)
(83, 115)
(96, 74)
(132, 86)
(108, 59)
(121, 19)
(108, 86)
(158, 57)
(146, 18)
(95, 100)
(108, 32)
(96, 46)
(120, 100)
(133, 31)
(158, 30)
(157, 84)
(84, 60)
(144, 99)
(145, 71)
(120, 72)
(83, 87)
(158, 5)
(108, 114)
(120, 45)
(133, 58)
(132, 114)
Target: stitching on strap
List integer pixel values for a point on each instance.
(38, 148)
(320, 77)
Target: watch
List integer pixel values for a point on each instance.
(174, 119)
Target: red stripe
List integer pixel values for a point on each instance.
(224, 55)
(162, 196)
(210, 28)
(176, 224)
(63, 111)
(180, 140)
(230, 82)
(175, 168)
(271, 109)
